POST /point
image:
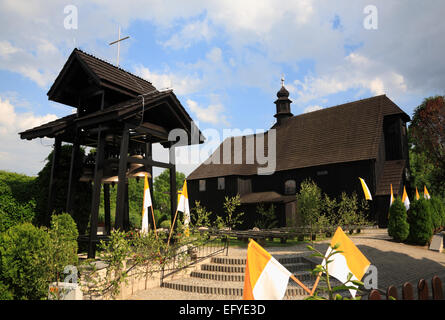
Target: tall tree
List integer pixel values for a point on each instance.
(427, 139)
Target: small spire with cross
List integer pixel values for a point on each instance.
(118, 41)
(282, 79)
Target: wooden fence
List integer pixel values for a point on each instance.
(408, 291)
(285, 233)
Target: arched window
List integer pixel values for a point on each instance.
(290, 187)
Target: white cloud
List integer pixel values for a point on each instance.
(356, 72)
(191, 33)
(21, 155)
(212, 114)
(312, 108)
(180, 84)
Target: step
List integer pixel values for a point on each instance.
(239, 277)
(293, 267)
(229, 288)
(242, 261)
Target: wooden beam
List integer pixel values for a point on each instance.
(149, 157)
(121, 185)
(53, 177)
(71, 182)
(173, 192)
(98, 175)
(107, 209)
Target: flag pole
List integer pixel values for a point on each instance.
(315, 284)
(154, 222)
(300, 284)
(171, 229)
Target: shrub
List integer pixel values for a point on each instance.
(63, 234)
(200, 216)
(267, 217)
(24, 261)
(13, 212)
(438, 207)
(233, 217)
(398, 227)
(420, 222)
(436, 213)
(5, 293)
(309, 203)
(165, 224)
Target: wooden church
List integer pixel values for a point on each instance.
(121, 116)
(333, 146)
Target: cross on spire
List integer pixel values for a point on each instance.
(118, 41)
(282, 80)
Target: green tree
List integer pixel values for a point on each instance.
(24, 260)
(267, 217)
(427, 147)
(161, 190)
(82, 197)
(309, 204)
(398, 226)
(233, 216)
(420, 222)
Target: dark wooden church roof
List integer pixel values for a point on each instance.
(344, 133)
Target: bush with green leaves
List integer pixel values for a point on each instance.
(420, 222)
(437, 212)
(309, 204)
(5, 293)
(267, 217)
(63, 234)
(200, 216)
(398, 227)
(233, 216)
(13, 212)
(24, 261)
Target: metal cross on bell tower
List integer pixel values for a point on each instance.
(118, 41)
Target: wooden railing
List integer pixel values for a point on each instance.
(408, 291)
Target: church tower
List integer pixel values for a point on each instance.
(283, 105)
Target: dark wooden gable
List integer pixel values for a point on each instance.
(90, 84)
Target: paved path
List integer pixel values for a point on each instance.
(395, 262)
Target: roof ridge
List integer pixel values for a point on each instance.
(112, 65)
(341, 105)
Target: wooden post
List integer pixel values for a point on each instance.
(422, 290)
(436, 285)
(407, 291)
(107, 209)
(98, 175)
(173, 191)
(149, 156)
(53, 178)
(71, 182)
(121, 185)
(126, 220)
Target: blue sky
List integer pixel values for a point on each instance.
(223, 59)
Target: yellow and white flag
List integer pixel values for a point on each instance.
(366, 190)
(426, 194)
(183, 206)
(146, 204)
(405, 199)
(417, 194)
(350, 260)
(265, 278)
(391, 199)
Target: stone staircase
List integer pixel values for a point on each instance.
(224, 276)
